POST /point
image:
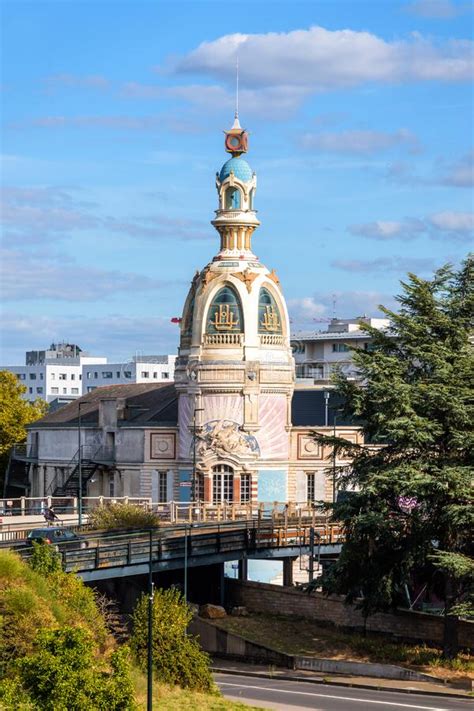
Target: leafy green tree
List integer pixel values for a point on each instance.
(15, 414)
(177, 657)
(63, 673)
(411, 514)
(117, 516)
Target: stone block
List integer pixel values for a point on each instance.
(239, 611)
(212, 612)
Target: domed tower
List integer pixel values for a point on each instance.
(235, 371)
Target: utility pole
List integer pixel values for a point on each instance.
(334, 463)
(326, 407)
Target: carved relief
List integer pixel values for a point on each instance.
(273, 277)
(247, 277)
(308, 448)
(162, 446)
(224, 437)
(207, 276)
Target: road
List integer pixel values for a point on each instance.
(296, 695)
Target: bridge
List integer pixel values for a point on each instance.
(131, 553)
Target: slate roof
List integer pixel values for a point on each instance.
(144, 404)
(156, 404)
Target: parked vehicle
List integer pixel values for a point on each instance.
(56, 536)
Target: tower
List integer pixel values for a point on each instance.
(235, 370)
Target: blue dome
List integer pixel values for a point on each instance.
(239, 167)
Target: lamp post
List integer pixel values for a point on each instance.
(334, 462)
(326, 407)
(149, 696)
(193, 495)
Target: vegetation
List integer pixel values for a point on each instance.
(301, 636)
(177, 657)
(15, 414)
(411, 506)
(121, 516)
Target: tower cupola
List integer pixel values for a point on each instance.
(236, 183)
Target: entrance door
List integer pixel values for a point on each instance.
(222, 484)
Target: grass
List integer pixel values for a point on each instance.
(173, 698)
(305, 637)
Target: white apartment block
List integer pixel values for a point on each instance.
(318, 354)
(141, 369)
(65, 372)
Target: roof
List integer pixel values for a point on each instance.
(328, 336)
(144, 404)
(308, 408)
(239, 167)
(157, 405)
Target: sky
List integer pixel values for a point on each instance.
(361, 135)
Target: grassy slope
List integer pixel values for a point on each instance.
(304, 637)
(166, 698)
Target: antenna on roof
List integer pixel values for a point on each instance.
(236, 115)
(334, 302)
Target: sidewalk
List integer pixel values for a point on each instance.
(413, 687)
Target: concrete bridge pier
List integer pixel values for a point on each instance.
(243, 571)
(288, 571)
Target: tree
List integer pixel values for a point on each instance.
(177, 657)
(15, 414)
(411, 512)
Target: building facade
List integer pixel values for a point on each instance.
(231, 428)
(141, 369)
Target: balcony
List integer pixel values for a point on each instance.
(223, 339)
(25, 452)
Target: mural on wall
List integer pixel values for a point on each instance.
(216, 407)
(272, 435)
(223, 437)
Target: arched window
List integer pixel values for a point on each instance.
(187, 327)
(222, 484)
(225, 313)
(269, 319)
(232, 199)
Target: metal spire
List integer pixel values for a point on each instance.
(236, 116)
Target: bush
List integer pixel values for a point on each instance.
(62, 673)
(177, 657)
(113, 516)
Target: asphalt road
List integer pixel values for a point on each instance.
(295, 695)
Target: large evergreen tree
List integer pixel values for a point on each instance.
(411, 514)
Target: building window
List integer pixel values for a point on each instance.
(91, 388)
(145, 374)
(310, 486)
(269, 319)
(162, 487)
(41, 376)
(107, 374)
(80, 376)
(111, 485)
(21, 376)
(127, 374)
(64, 391)
(155, 375)
(96, 375)
(55, 391)
(62, 376)
(32, 376)
(245, 488)
(30, 390)
(118, 373)
(73, 377)
(75, 391)
(222, 484)
(165, 376)
(225, 313)
(39, 389)
(53, 376)
(199, 493)
(340, 347)
(88, 375)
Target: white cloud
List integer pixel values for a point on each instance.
(74, 81)
(321, 59)
(398, 265)
(119, 123)
(461, 173)
(437, 9)
(29, 276)
(359, 141)
(449, 221)
(306, 308)
(320, 307)
(117, 336)
(448, 225)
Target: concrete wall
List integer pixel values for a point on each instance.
(419, 626)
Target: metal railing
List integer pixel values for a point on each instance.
(89, 453)
(24, 451)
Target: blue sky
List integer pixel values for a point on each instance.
(360, 120)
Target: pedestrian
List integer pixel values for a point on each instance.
(50, 515)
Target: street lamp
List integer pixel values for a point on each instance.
(326, 407)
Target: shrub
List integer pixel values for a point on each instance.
(177, 657)
(62, 673)
(113, 516)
